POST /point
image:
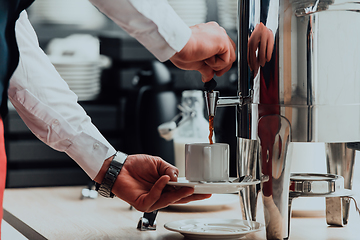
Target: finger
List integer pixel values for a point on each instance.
(256, 72)
(171, 197)
(165, 168)
(222, 58)
(233, 51)
(253, 46)
(205, 79)
(248, 58)
(149, 199)
(270, 46)
(211, 61)
(253, 61)
(233, 44)
(216, 63)
(262, 52)
(223, 29)
(213, 23)
(194, 197)
(207, 73)
(220, 73)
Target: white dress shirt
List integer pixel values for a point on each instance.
(50, 109)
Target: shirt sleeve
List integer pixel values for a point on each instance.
(50, 109)
(154, 23)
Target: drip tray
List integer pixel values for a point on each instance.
(317, 185)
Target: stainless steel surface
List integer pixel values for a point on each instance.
(293, 84)
(213, 100)
(248, 164)
(247, 178)
(315, 184)
(335, 211)
(314, 88)
(303, 8)
(340, 160)
(274, 150)
(330, 186)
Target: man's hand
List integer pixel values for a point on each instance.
(209, 50)
(260, 47)
(143, 180)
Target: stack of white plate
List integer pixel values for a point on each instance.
(83, 77)
(192, 12)
(80, 13)
(227, 13)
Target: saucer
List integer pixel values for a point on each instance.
(213, 187)
(214, 228)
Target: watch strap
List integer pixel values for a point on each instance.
(105, 188)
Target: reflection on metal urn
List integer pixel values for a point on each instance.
(298, 82)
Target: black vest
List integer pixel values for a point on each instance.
(9, 53)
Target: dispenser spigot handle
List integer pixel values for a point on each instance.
(210, 85)
(211, 96)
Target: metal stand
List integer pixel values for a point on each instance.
(340, 161)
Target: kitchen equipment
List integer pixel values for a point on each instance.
(315, 184)
(291, 88)
(330, 186)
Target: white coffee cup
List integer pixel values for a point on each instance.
(207, 162)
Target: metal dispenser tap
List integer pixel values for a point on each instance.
(213, 101)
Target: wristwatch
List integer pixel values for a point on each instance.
(104, 189)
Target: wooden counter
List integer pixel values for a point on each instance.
(58, 213)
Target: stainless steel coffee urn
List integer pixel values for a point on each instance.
(299, 81)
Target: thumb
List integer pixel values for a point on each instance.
(155, 192)
(165, 168)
